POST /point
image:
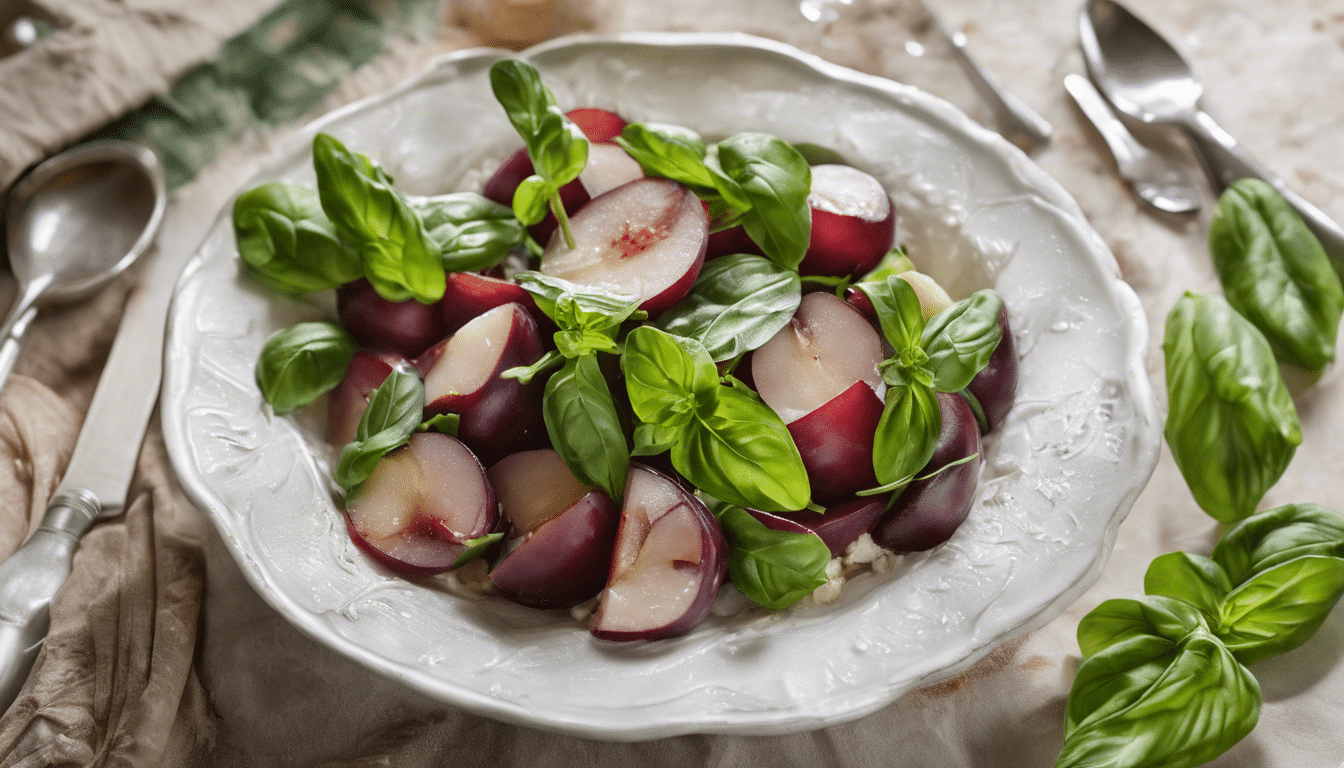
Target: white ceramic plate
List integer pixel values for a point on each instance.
(1058, 477)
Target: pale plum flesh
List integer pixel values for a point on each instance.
(608, 168)
(853, 222)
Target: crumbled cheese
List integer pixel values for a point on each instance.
(583, 611)
(864, 551)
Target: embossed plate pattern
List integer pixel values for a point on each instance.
(1058, 477)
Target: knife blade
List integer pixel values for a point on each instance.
(98, 477)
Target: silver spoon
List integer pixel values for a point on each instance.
(74, 223)
(1146, 78)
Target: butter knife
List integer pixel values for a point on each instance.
(98, 477)
(1154, 177)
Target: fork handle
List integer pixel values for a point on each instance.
(1225, 161)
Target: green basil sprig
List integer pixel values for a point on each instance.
(1231, 423)
(738, 303)
(557, 147)
(774, 568)
(471, 232)
(399, 258)
(395, 410)
(288, 243)
(300, 363)
(1276, 274)
(960, 339)
(723, 439)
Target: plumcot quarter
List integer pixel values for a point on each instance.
(404, 327)
(837, 528)
(995, 386)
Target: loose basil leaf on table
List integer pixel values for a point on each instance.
(1120, 619)
(739, 451)
(775, 179)
(585, 427)
(774, 568)
(288, 243)
(400, 260)
(471, 231)
(738, 303)
(960, 339)
(1277, 535)
(1146, 701)
(670, 152)
(1231, 423)
(666, 376)
(1192, 578)
(300, 363)
(394, 412)
(1279, 609)
(556, 146)
(907, 432)
(1276, 274)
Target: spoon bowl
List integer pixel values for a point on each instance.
(73, 224)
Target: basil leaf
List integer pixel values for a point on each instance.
(472, 232)
(666, 376)
(1277, 535)
(671, 152)
(585, 427)
(653, 439)
(1281, 608)
(1192, 578)
(894, 263)
(1276, 274)
(589, 308)
(394, 411)
(444, 423)
(1146, 702)
(774, 568)
(400, 259)
(476, 547)
(960, 339)
(300, 363)
(1117, 620)
(818, 155)
(1231, 424)
(738, 303)
(775, 179)
(288, 243)
(738, 450)
(532, 199)
(907, 432)
(898, 312)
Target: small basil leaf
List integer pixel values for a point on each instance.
(898, 313)
(400, 259)
(671, 152)
(532, 199)
(476, 547)
(653, 439)
(585, 427)
(666, 376)
(1276, 274)
(588, 307)
(444, 423)
(960, 339)
(556, 145)
(472, 232)
(1120, 619)
(1192, 578)
(300, 363)
(288, 243)
(1277, 535)
(1281, 608)
(774, 568)
(526, 373)
(776, 180)
(906, 433)
(738, 450)
(1142, 703)
(818, 155)
(394, 411)
(738, 303)
(894, 263)
(1231, 423)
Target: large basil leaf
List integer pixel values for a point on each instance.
(671, 152)
(1144, 702)
(400, 259)
(776, 180)
(394, 412)
(907, 432)
(1192, 578)
(666, 376)
(1120, 619)
(774, 568)
(739, 451)
(288, 243)
(1281, 608)
(898, 312)
(1231, 424)
(298, 364)
(1276, 274)
(472, 232)
(738, 303)
(585, 427)
(960, 339)
(1277, 535)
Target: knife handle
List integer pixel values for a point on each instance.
(29, 580)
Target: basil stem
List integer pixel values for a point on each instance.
(300, 363)
(288, 243)
(395, 410)
(476, 547)
(738, 303)
(774, 568)
(472, 233)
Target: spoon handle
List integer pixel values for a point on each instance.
(12, 343)
(1225, 161)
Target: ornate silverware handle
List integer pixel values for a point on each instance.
(29, 580)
